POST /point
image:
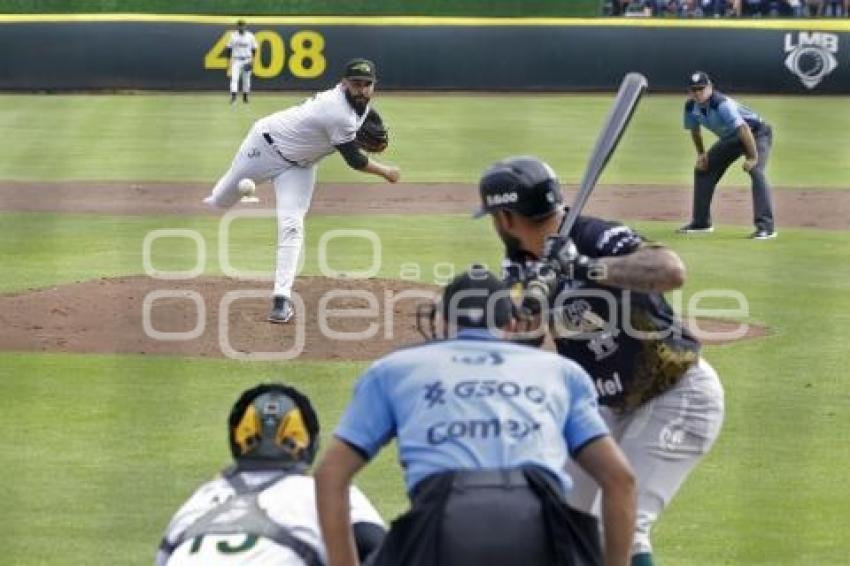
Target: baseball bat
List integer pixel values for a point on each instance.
(630, 92)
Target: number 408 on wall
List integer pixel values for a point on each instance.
(305, 59)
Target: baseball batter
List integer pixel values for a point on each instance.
(286, 148)
(262, 510)
(241, 49)
(663, 403)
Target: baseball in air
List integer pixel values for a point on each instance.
(246, 187)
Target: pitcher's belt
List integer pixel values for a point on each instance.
(270, 141)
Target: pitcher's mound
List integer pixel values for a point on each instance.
(337, 319)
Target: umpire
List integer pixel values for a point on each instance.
(484, 427)
(741, 132)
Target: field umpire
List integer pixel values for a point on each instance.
(740, 131)
(661, 400)
(484, 428)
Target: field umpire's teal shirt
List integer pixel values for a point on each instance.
(721, 114)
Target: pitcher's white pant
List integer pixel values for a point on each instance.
(663, 440)
(236, 70)
(293, 187)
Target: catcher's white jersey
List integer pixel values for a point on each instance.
(241, 44)
(290, 503)
(309, 131)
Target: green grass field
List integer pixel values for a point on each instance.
(101, 449)
(193, 137)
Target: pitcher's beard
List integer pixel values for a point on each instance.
(359, 103)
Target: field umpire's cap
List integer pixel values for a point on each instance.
(360, 69)
(477, 299)
(698, 79)
(524, 184)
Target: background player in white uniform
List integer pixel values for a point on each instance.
(241, 48)
(262, 510)
(286, 148)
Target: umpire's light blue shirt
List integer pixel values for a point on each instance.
(720, 114)
(474, 402)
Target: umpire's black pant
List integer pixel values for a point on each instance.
(721, 155)
(491, 518)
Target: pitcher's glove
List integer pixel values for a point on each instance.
(247, 67)
(373, 135)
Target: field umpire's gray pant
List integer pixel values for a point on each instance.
(663, 440)
(720, 156)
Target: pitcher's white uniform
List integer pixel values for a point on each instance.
(286, 147)
(289, 502)
(242, 47)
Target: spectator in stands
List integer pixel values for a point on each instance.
(751, 8)
(715, 8)
(691, 9)
(728, 8)
(826, 8)
(674, 9)
(834, 8)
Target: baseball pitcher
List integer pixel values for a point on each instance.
(286, 148)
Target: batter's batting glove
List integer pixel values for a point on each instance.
(562, 255)
(539, 288)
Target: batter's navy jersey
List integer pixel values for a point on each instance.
(721, 114)
(632, 344)
(473, 403)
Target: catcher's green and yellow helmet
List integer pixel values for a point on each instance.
(273, 426)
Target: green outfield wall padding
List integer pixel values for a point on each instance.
(420, 54)
(489, 8)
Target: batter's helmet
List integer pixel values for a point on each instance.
(273, 426)
(523, 184)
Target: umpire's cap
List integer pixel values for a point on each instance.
(698, 79)
(524, 184)
(273, 426)
(477, 299)
(360, 69)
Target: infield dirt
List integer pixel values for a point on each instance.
(806, 207)
(107, 315)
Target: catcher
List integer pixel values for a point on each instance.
(261, 510)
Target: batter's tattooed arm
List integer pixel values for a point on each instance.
(651, 269)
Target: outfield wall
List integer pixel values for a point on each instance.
(186, 53)
(489, 8)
